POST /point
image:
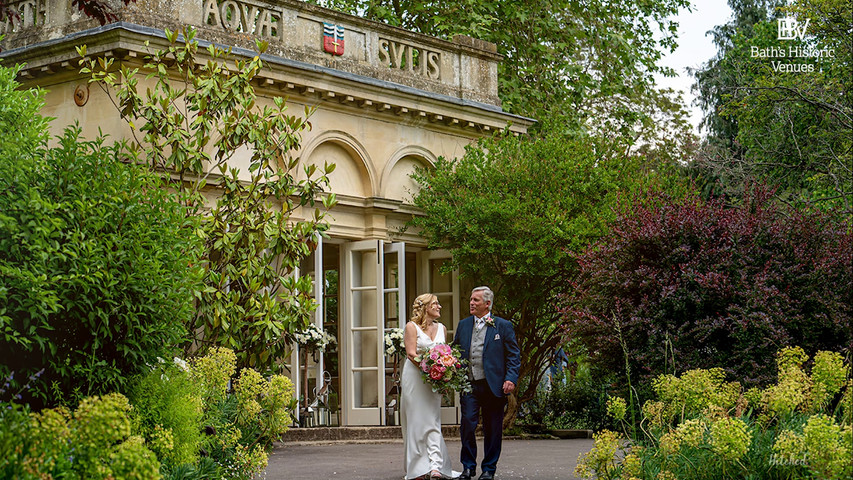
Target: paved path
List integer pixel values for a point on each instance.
(520, 460)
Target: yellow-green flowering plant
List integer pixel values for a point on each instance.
(266, 404)
(601, 460)
(93, 441)
(730, 439)
(702, 426)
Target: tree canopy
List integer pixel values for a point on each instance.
(199, 114)
(591, 63)
(781, 110)
(515, 211)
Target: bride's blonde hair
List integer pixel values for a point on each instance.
(419, 308)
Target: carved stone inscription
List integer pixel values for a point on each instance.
(244, 17)
(31, 13)
(406, 57)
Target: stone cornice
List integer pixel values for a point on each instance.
(464, 68)
(303, 82)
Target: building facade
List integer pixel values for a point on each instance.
(387, 101)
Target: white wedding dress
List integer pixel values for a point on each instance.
(424, 449)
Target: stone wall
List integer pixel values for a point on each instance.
(464, 68)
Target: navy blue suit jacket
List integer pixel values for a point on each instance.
(501, 359)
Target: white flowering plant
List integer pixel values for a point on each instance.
(394, 342)
(314, 338)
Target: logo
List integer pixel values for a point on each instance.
(333, 39)
(789, 28)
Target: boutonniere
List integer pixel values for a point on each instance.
(490, 321)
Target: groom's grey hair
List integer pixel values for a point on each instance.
(488, 295)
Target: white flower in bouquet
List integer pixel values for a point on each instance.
(394, 342)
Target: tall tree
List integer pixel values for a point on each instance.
(781, 109)
(716, 77)
(198, 115)
(515, 211)
(589, 63)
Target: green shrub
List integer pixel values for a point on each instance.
(264, 406)
(93, 442)
(241, 422)
(164, 431)
(579, 402)
(168, 408)
(97, 259)
(130, 460)
(704, 428)
(14, 425)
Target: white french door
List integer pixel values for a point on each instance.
(445, 286)
(297, 359)
(372, 274)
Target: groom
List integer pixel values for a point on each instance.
(488, 343)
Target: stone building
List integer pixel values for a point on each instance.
(387, 101)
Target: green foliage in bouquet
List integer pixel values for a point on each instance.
(702, 427)
(443, 369)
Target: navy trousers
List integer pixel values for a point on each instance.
(481, 399)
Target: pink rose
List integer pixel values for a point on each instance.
(433, 355)
(448, 360)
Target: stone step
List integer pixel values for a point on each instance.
(354, 434)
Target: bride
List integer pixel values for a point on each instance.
(424, 451)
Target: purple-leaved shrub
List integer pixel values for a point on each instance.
(685, 284)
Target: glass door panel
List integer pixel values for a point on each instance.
(362, 352)
(394, 292)
(445, 286)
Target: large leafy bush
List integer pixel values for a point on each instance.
(193, 116)
(516, 211)
(683, 284)
(96, 258)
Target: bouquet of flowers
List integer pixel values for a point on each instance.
(444, 370)
(314, 338)
(394, 342)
